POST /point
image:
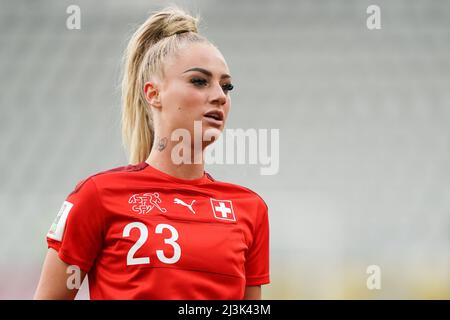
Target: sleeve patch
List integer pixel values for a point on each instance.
(56, 231)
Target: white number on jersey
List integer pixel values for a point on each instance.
(171, 241)
(131, 260)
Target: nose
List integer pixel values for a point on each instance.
(218, 96)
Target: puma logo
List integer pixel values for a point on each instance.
(178, 201)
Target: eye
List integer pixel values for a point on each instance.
(227, 87)
(199, 82)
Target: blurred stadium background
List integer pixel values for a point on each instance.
(364, 133)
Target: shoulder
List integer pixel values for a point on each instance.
(107, 175)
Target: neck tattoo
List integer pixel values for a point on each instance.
(162, 143)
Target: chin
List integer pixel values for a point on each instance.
(211, 134)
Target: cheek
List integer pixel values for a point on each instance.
(227, 108)
(182, 102)
(191, 100)
(188, 109)
(180, 93)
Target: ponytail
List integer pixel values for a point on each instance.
(162, 34)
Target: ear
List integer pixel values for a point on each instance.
(152, 94)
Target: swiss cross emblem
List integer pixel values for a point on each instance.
(223, 209)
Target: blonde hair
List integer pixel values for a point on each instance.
(160, 36)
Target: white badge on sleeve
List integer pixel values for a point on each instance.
(57, 229)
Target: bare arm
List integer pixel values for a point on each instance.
(252, 293)
(53, 281)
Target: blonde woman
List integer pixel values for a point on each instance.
(159, 228)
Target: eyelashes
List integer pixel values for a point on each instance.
(199, 82)
(228, 87)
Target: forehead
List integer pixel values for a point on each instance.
(202, 55)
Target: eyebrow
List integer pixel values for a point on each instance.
(207, 72)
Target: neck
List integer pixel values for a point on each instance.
(161, 158)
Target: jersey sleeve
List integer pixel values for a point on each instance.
(77, 232)
(257, 259)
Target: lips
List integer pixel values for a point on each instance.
(214, 114)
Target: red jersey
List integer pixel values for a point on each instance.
(140, 233)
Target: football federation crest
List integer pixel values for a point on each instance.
(143, 203)
(223, 209)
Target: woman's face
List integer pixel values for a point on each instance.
(196, 82)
